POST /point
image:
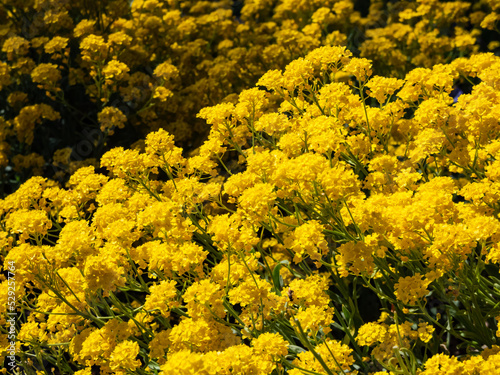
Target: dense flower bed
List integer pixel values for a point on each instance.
(341, 216)
(78, 78)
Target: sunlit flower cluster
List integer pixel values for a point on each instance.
(342, 215)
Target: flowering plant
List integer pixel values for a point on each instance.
(334, 221)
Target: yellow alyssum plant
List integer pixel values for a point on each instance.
(80, 77)
(253, 255)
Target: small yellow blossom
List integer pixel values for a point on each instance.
(411, 289)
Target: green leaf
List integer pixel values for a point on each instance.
(277, 279)
(296, 349)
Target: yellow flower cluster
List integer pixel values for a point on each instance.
(347, 191)
(160, 62)
(333, 181)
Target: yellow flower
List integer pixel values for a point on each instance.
(249, 292)
(29, 116)
(47, 75)
(490, 21)
(234, 269)
(162, 93)
(61, 157)
(204, 297)
(159, 344)
(84, 27)
(308, 239)
(370, 333)
(425, 332)
(166, 221)
(28, 223)
(5, 77)
(271, 123)
(257, 202)
(272, 80)
(31, 161)
(184, 362)
(323, 15)
(56, 44)
(197, 334)
(15, 46)
(123, 163)
(411, 289)
(251, 103)
(111, 117)
(428, 142)
(119, 38)
(95, 346)
(162, 297)
(360, 68)
(85, 184)
(310, 291)
(160, 146)
(442, 364)
(115, 71)
(232, 233)
(339, 183)
(166, 71)
(105, 271)
(314, 318)
(270, 344)
(123, 356)
(219, 116)
(335, 355)
(329, 59)
(381, 87)
(355, 257)
(94, 48)
(297, 74)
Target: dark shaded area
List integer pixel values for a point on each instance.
(369, 305)
(362, 6)
(236, 8)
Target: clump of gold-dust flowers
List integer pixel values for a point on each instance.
(341, 217)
